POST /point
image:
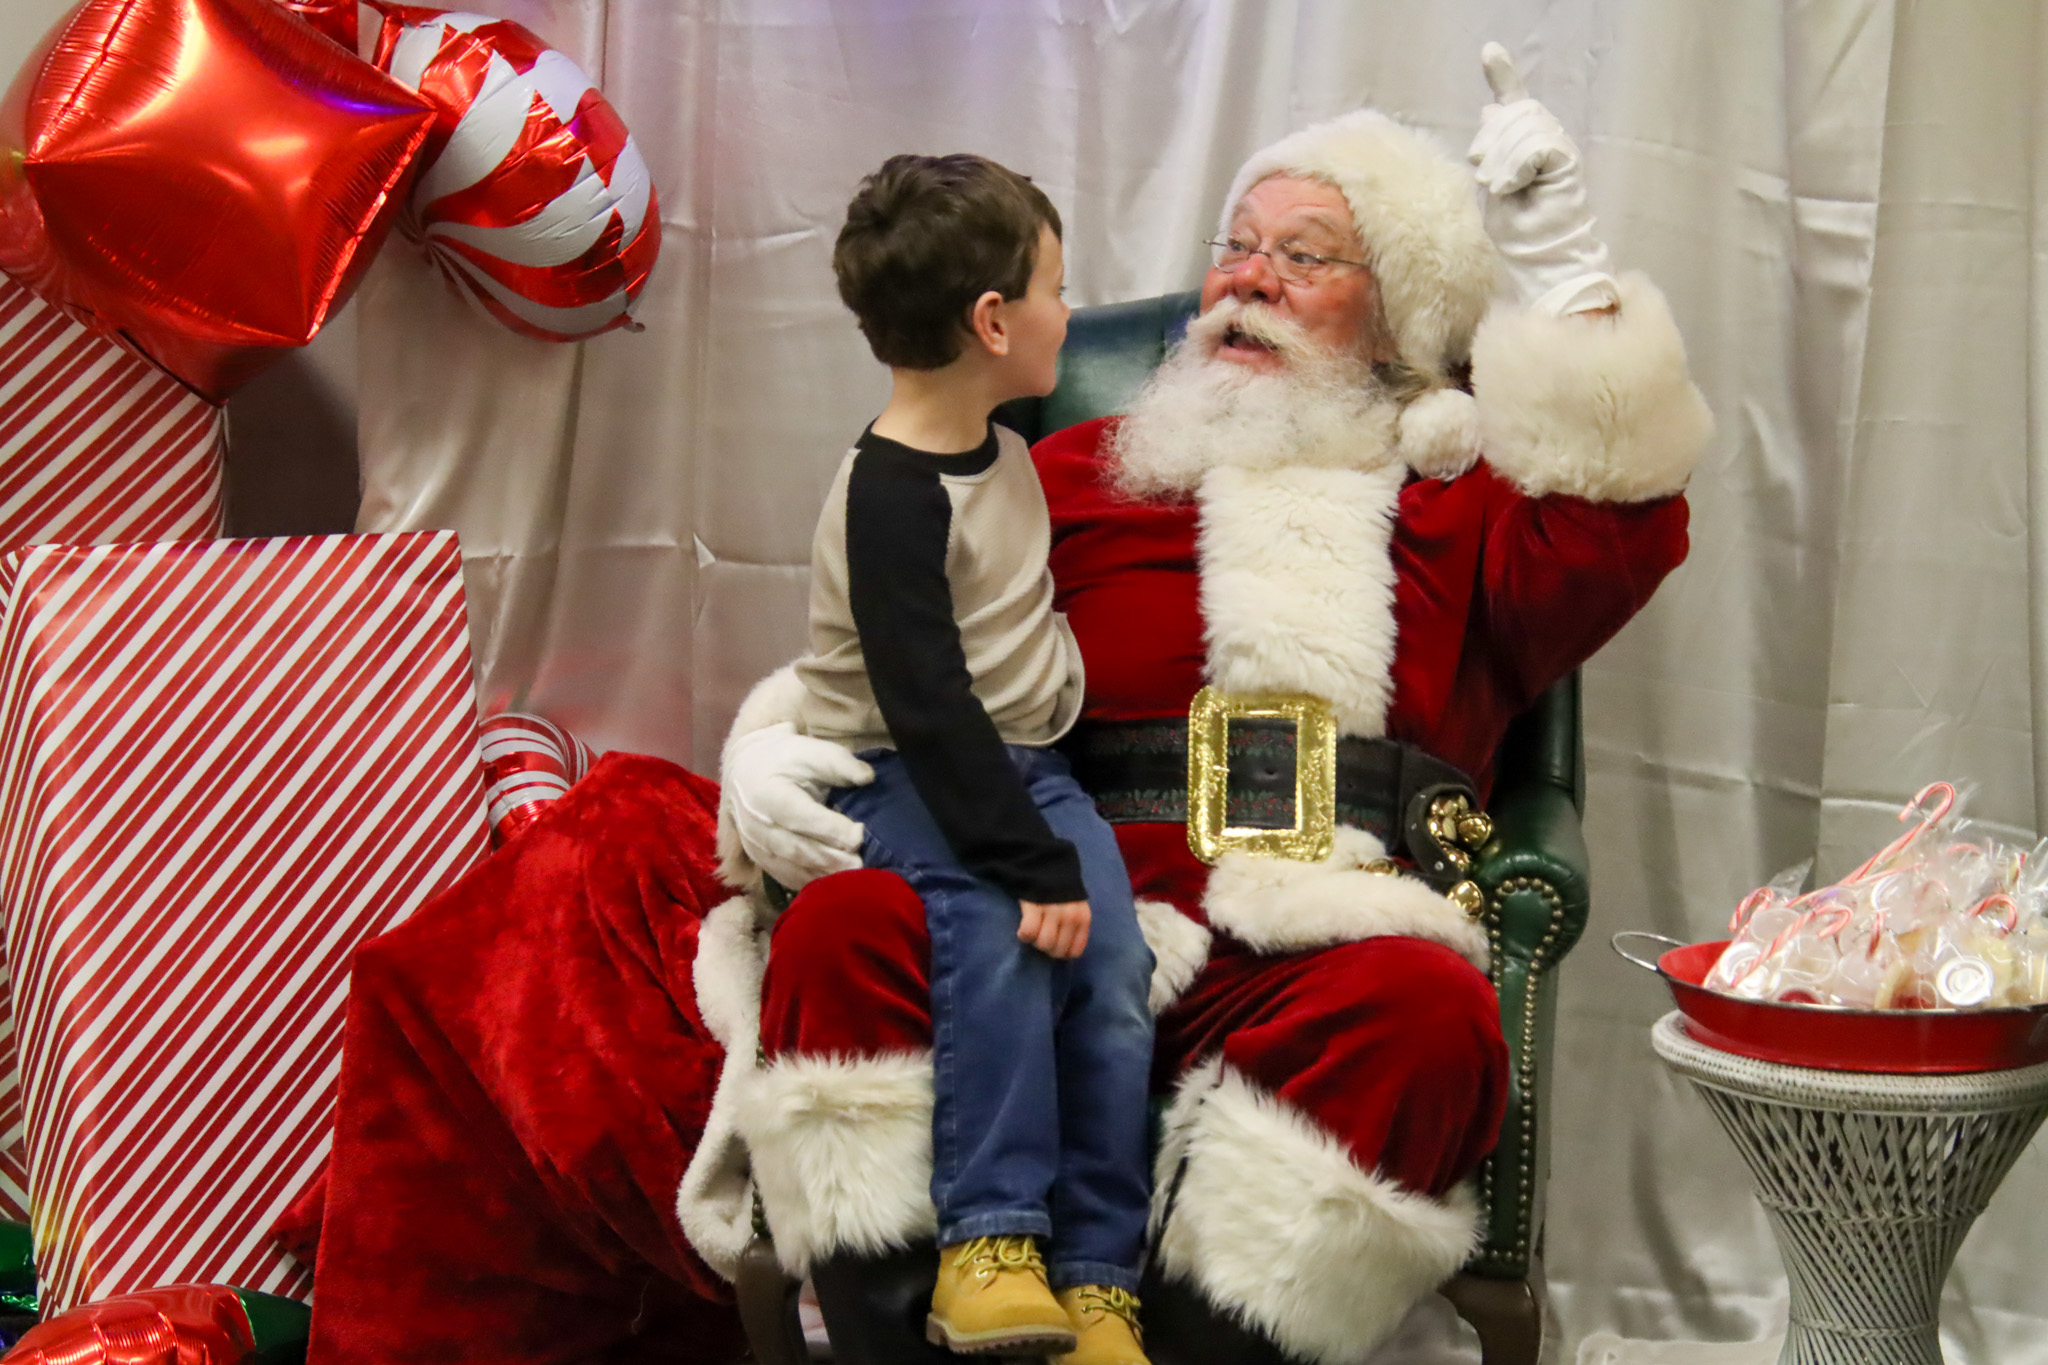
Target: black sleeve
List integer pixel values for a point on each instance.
(897, 522)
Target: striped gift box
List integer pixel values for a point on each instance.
(97, 446)
(222, 765)
(528, 762)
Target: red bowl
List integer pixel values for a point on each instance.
(1836, 1038)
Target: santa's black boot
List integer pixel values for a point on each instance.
(875, 1307)
(1182, 1328)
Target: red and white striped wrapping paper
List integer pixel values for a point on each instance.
(528, 762)
(97, 445)
(222, 765)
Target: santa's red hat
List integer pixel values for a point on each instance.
(1417, 218)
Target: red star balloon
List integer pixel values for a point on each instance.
(188, 1324)
(335, 18)
(206, 177)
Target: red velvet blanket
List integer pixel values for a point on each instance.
(524, 1077)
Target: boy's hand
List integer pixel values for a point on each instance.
(1055, 930)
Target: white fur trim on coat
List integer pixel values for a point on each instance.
(1598, 407)
(1417, 220)
(1440, 434)
(842, 1151)
(1298, 584)
(1282, 905)
(1272, 1221)
(1179, 947)
(776, 698)
(715, 1202)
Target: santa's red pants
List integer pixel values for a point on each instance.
(1391, 1045)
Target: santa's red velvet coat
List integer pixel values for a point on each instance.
(1327, 1033)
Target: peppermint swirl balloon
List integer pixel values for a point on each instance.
(529, 761)
(532, 198)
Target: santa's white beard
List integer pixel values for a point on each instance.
(1200, 411)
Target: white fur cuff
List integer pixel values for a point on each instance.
(1596, 407)
(1274, 1222)
(715, 1202)
(1279, 905)
(842, 1151)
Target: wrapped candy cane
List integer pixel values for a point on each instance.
(1943, 917)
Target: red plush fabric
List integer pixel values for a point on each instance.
(524, 1079)
(1393, 1046)
(849, 970)
(297, 1229)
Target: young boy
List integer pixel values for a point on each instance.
(936, 655)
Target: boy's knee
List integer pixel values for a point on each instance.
(1123, 967)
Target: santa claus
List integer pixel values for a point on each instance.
(1365, 498)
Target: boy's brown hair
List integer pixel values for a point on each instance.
(925, 236)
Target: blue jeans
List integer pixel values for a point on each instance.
(1040, 1067)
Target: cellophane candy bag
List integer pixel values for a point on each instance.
(1948, 916)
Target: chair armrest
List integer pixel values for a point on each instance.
(1533, 872)
(1537, 836)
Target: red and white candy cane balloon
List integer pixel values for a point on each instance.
(528, 762)
(532, 197)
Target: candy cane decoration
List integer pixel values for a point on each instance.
(528, 762)
(2000, 901)
(532, 199)
(1906, 840)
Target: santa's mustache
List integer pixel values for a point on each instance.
(1248, 320)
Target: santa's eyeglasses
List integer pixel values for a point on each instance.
(1290, 260)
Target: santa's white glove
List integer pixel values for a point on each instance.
(775, 784)
(1535, 208)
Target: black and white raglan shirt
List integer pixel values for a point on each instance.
(933, 634)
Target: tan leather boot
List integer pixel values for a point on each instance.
(991, 1297)
(1105, 1322)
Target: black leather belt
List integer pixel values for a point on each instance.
(1137, 771)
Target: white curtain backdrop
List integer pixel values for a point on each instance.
(1847, 202)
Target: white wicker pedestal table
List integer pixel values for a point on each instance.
(1869, 1182)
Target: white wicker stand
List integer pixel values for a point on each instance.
(1869, 1183)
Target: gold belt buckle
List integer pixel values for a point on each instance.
(1314, 832)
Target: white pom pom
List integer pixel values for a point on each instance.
(1440, 433)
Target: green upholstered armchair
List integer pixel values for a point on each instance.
(1533, 872)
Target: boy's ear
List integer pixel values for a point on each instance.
(987, 323)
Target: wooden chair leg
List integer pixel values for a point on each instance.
(767, 1303)
(1508, 1315)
